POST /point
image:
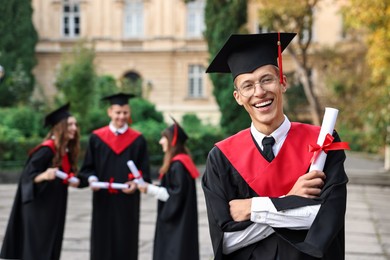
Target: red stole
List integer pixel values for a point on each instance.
(117, 143)
(186, 160)
(276, 178)
(65, 164)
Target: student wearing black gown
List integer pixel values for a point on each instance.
(262, 203)
(115, 213)
(36, 224)
(176, 235)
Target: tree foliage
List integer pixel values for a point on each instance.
(282, 15)
(17, 51)
(371, 21)
(76, 78)
(223, 18)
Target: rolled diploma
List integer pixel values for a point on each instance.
(105, 185)
(327, 127)
(63, 175)
(138, 178)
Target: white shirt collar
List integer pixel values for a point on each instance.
(118, 130)
(279, 134)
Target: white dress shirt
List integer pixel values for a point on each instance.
(117, 131)
(263, 212)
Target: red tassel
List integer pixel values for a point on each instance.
(280, 59)
(174, 138)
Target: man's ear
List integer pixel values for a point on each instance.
(284, 84)
(237, 97)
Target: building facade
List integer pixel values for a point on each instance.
(158, 42)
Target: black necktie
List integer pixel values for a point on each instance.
(268, 142)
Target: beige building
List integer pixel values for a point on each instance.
(157, 41)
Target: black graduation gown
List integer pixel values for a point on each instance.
(324, 240)
(36, 224)
(176, 235)
(115, 217)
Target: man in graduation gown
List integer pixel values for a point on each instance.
(115, 213)
(262, 202)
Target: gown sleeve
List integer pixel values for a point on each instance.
(37, 163)
(220, 186)
(88, 167)
(143, 159)
(177, 181)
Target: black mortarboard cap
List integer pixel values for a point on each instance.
(119, 99)
(243, 53)
(178, 133)
(57, 115)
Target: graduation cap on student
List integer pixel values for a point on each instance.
(118, 99)
(243, 53)
(57, 115)
(178, 133)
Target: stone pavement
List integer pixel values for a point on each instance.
(367, 218)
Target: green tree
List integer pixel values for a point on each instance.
(105, 85)
(132, 86)
(343, 73)
(282, 15)
(17, 51)
(371, 21)
(223, 18)
(76, 79)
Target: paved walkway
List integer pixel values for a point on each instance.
(367, 218)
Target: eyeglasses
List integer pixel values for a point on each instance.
(248, 88)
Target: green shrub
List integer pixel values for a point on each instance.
(142, 110)
(23, 119)
(152, 133)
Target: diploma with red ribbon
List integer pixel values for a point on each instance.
(109, 185)
(325, 140)
(67, 178)
(136, 174)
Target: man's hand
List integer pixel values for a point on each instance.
(132, 187)
(309, 185)
(90, 182)
(74, 184)
(240, 209)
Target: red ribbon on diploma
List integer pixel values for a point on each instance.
(131, 176)
(66, 180)
(110, 189)
(328, 145)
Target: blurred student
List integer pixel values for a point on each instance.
(115, 213)
(176, 235)
(36, 224)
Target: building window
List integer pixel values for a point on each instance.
(196, 81)
(195, 18)
(71, 18)
(134, 18)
